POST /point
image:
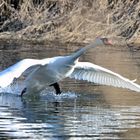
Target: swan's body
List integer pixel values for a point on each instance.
(56, 70)
(49, 71)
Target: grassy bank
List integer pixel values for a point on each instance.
(70, 20)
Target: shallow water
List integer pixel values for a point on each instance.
(83, 111)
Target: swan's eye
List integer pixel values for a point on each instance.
(105, 40)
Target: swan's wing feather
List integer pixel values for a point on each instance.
(15, 71)
(99, 75)
(30, 70)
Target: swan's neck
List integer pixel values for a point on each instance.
(83, 50)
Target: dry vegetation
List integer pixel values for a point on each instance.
(70, 20)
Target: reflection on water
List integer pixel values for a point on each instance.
(83, 111)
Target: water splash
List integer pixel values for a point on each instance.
(14, 88)
(47, 94)
(51, 96)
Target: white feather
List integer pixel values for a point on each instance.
(8, 75)
(100, 75)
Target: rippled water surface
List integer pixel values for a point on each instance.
(83, 111)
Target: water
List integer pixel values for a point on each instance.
(83, 111)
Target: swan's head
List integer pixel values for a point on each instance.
(103, 41)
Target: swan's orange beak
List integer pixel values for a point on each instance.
(109, 42)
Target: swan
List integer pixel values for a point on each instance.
(49, 71)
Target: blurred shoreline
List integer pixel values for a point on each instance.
(65, 21)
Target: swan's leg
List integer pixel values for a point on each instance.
(23, 91)
(57, 88)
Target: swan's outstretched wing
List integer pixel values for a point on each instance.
(15, 71)
(96, 74)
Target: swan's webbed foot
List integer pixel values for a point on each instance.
(23, 91)
(57, 88)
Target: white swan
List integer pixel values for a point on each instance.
(49, 71)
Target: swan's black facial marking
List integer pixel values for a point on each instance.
(106, 41)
